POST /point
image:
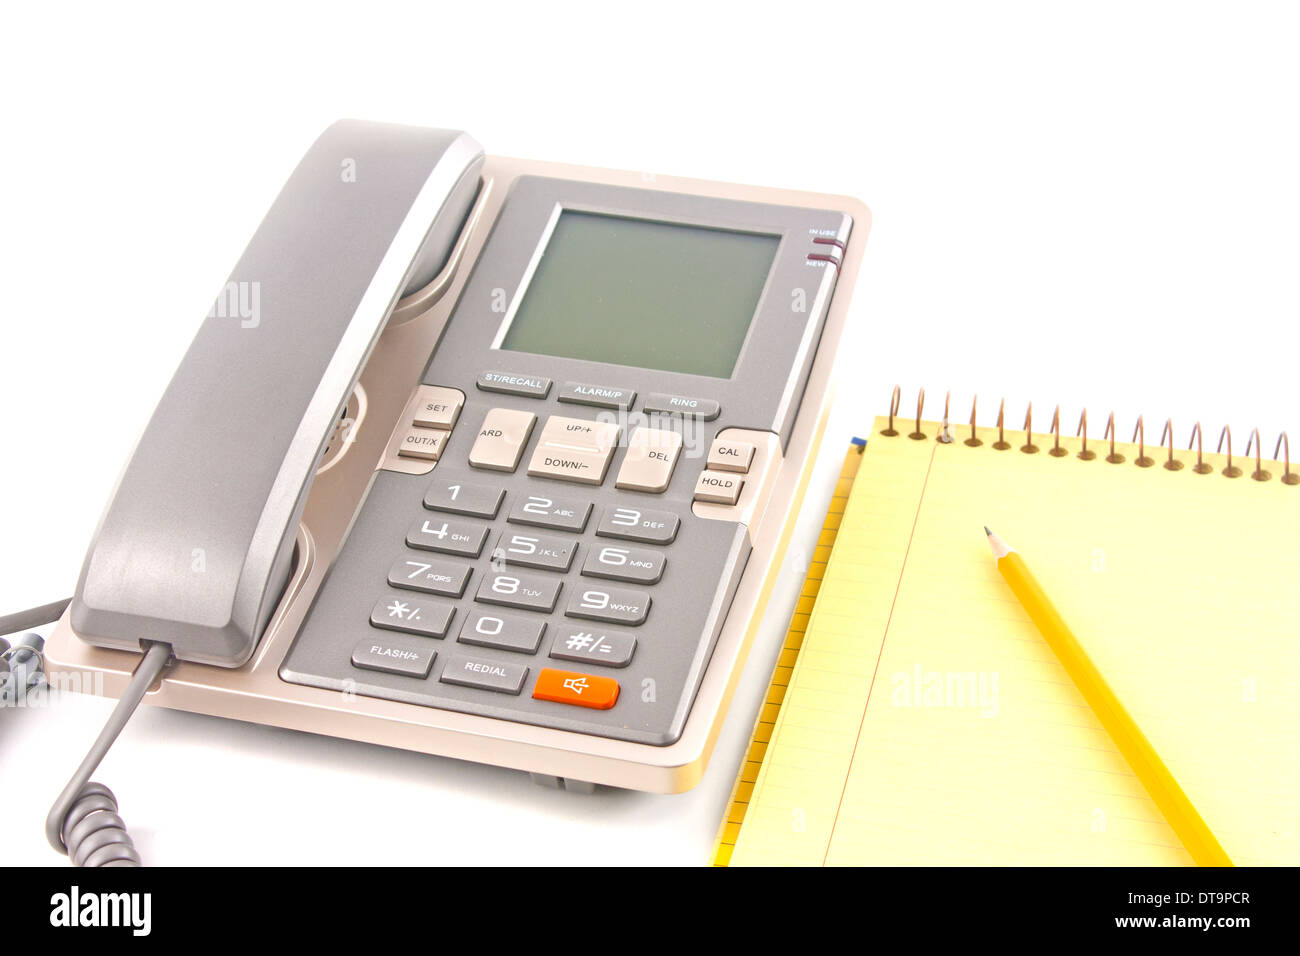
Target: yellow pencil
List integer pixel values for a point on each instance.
(1128, 737)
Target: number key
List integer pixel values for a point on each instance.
(638, 565)
(448, 537)
(531, 550)
(461, 498)
(549, 511)
(617, 605)
(637, 524)
(536, 592)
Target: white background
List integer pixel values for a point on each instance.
(1088, 203)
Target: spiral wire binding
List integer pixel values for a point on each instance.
(1195, 441)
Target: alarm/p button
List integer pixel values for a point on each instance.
(571, 687)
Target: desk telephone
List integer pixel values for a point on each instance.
(479, 457)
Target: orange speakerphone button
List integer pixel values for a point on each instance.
(570, 687)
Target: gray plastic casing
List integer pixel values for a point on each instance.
(196, 545)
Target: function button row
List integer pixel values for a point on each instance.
(574, 449)
(549, 511)
(509, 383)
(477, 501)
(447, 536)
(638, 524)
(412, 615)
(533, 592)
(651, 457)
(594, 646)
(684, 405)
(436, 411)
(532, 550)
(501, 439)
(429, 575)
(503, 631)
(597, 396)
(614, 605)
(616, 563)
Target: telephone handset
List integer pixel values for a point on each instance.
(195, 548)
(483, 457)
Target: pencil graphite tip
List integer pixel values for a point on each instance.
(999, 547)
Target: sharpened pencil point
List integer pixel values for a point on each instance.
(987, 531)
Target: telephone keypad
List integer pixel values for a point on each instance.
(433, 575)
(510, 572)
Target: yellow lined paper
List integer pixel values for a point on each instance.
(926, 721)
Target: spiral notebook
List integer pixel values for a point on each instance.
(925, 721)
